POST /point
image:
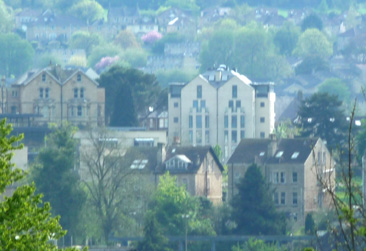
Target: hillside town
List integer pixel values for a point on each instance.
(183, 125)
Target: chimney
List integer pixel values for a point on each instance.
(272, 146)
(218, 76)
(161, 154)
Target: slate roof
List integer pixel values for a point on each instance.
(195, 154)
(250, 150)
(143, 153)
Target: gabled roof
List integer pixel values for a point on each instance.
(194, 154)
(288, 151)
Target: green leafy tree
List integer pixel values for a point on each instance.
(25, 224)
(254, 210)
(85, 40)
(55, 177)
(139, 90)
(154, 240)
(5, 18)
(321, 115)
(312, 21)
(337, 87)
(257, 245)
(309, 224)
(313, 43)
(88, 10)
(126, 39)
(16, 54)
(311, 64)
(100, 51)
(286, 38)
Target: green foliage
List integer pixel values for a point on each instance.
(337, 87)
(45, 59)
(5, 18)
(55, 177)
(313, 43)
(158, 46)
(139, 91)
(257, 245)
(106, 50)
(88, 10)
(16, 54)
(361, 141)
(126, 39)
(286, 38)
(85, 40)
(309, 224)
(254, 210)
(312, 21)
(286, 129)
(169, 76)
(135, 57)
(311, 64)
(321, 115)
(24, 223)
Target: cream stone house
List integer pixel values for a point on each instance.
(53, 95)
(293, 168)
(220, 107)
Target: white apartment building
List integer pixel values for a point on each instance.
(220, 107)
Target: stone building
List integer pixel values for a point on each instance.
(292, 167)
(220, 107)
(53, 95)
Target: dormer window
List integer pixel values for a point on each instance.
(79, 77)
(44, 77)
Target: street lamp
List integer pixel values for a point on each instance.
(185, 217)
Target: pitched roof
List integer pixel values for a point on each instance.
(287, 151)
(143, 153)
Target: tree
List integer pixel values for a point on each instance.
(5, 18)
(25, 224)
(154, 240)
(311, 64)
(337, 87)
(286, 38)
(139, 89)
(88, 10)
(16, 54)
(257, 245)
(313, 43)
(254, 210)
(312, 22)
(126, 39)
(55, 177)
(321, 115)
(85, 40)
(101, 51)
(309, 224)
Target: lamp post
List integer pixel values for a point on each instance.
(185, 217)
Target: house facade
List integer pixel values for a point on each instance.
(293, 168)
(53, 95)
(220, 107)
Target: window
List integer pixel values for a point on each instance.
(226, 137)
(226, 121)
(190, 121)
(294, 198)
(195, 104)
(234, 121)
(231, 105)
(198, 121)
(14, 94)
(43, 77)
(203, 104)
(262, 104)
(76, 92)
(262, 135)
(199, 137)
(262, 119)
(242, 134)
(283, 177)
(294, 177)
(275, 198)
(199, 91)
(235, 91)
(79, 77)
(242, 121)
(80, 111)
(81, 92)
(175, 104)
(207, 121)
(191, 137)
(47, 92)
(13, 109)
(238, 104)
(207, 137)
(175, 119)
(40, 92)
(283, 198)
(234, 137)
(276, 178)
